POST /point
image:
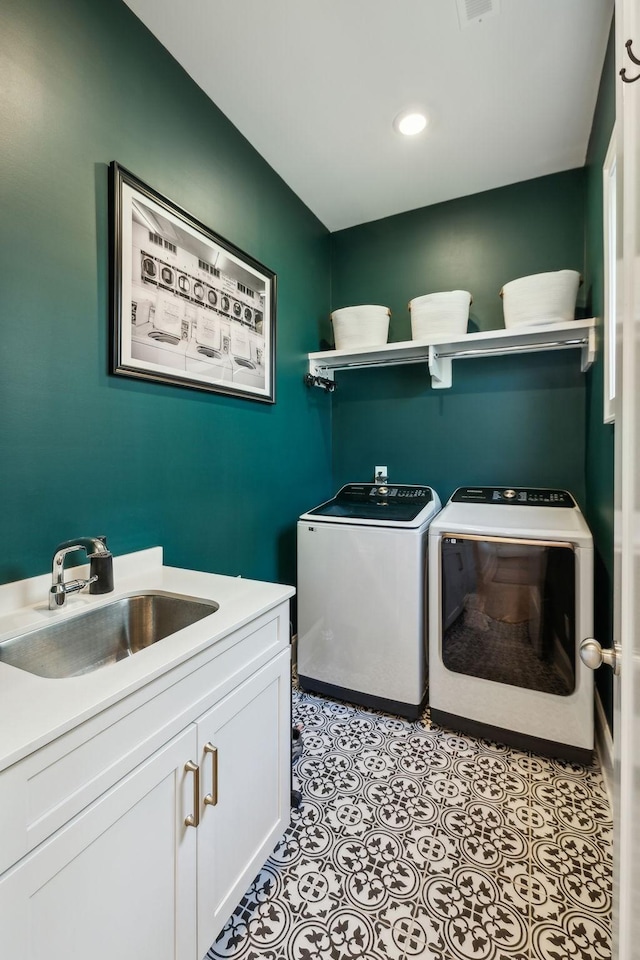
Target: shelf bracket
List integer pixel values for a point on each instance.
(440, 370)
(588, 352)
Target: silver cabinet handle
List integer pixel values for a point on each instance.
(212, 798)
(593, 655)
(194, 818)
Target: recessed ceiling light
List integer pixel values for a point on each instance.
(410, 122)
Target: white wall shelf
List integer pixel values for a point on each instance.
(439, 353)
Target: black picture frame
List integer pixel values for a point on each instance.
(188, 308)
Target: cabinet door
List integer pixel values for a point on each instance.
(247, 781)
(119, 880)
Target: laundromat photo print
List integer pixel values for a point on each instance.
(188, 308)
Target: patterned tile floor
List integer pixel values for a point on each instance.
(414, 842)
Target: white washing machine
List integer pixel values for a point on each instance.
(510, 599)
(362, 595)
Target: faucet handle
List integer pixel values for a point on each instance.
(59, 591)
(74, 585)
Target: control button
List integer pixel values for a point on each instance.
(509, 494)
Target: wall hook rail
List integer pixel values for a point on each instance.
(327, 385)
(634, 59)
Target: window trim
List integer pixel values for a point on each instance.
(609, 231)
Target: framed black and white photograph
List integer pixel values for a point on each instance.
(188, 307)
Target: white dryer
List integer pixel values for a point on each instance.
(510, 599)
(362, 595)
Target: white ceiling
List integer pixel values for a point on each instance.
(315, 85)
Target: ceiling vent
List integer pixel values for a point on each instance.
(475, 11)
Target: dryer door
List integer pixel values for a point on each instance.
(509, 611)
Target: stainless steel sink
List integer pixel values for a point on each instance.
(103, 635)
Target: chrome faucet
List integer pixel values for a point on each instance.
(101, 571)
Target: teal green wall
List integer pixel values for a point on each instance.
(516, 420)
(600, 436)
(218, 481)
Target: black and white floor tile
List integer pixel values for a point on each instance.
(415, 842)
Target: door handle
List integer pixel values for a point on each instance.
(593, 655)
(212, 798)
(194, 818)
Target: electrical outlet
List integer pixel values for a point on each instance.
(380, 475)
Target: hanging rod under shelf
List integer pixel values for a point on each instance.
(501, 351)
(388, 362)
(580, 334)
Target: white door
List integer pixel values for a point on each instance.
(626, 658)
(627, 505)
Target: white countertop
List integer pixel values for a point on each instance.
(35, 710)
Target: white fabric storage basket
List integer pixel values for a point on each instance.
(541, 298)
(366, 325)
(444, 314)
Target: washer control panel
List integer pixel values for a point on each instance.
(381, 503)
(406, 492)
(522, 496)
(361, 492)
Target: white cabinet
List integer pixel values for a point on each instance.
(154, 864)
